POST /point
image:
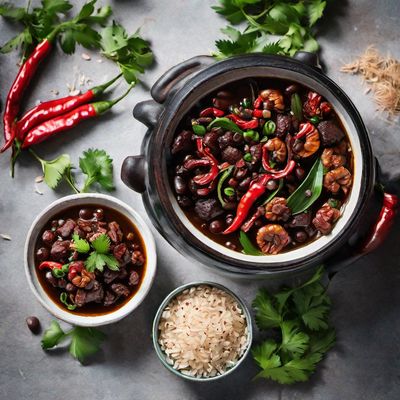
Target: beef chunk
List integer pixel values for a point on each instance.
(60, 250)
(183, 142)
(208, 209)
(65, 230)
(114, 232)
(300, 220)
(137, 258)
(283, 125)
(80, 297)
(330, 133)
(110, 276)
(96, 294)
(120, 289)
(134, 278)
(119, 251)
(48, 237)
(51, 279)
(231, 154)
(110, 298)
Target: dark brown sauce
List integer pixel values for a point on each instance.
(94, 309)
(241, 89)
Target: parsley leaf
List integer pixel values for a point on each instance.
(131, 53)
(102, 244)
(299, 316)
(292, 21)
(80, 245)
(100, 257)
(84, 341)
(97, 165)
(53, 335)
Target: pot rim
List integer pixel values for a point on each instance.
(30, 270)
(193, 90)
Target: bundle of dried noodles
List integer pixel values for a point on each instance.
(382, 75)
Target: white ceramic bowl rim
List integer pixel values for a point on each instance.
(101, 200)
(166, 301)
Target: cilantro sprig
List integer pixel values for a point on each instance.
(299, 318)
(41, 21)
(84, 341)
(291, 21)
(99, 256)
(95, 164)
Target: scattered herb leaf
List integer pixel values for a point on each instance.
(99, 257)
(225, 123)
(248, 247)
(80, 245)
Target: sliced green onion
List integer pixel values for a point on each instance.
(246, 103)
(199, 130)
(247, 157)
(57, 272)
(225, 174)
(249, 134)
(269, 128)
(229, 191)
(64, 300)
(314, 120)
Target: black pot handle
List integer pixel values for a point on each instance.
(148, 112)
(174, 78)
(308, 58)
(133, 173)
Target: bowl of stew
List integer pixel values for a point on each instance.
(255, 165)
(90, 259)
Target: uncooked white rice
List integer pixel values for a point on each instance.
(203, 332)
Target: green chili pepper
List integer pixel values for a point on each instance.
(224, 177)
(314, 120)
(64, 300)
(247, 157)
(249, 134)
(269, 128)
(229, 191)
(199, 130)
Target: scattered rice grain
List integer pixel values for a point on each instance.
(5, 236)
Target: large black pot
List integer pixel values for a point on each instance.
(175, 93)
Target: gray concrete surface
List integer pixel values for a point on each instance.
(364, 364)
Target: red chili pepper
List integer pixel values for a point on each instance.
(265, 161)
(261, 113)
(193, 163)
(243, 124)
(212, 111)
(305, 129)
(75, 268)
(50, 264)
(258, 102)
(257, 188)
(383, 224)
(205, 179)
(53, 108)
(68, 121)
(325, 108)
(311, 106)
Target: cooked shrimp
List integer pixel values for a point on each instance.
(325, 217)
(275, 97)
(338, 178)
(311, 144)
(277, 209)
(272, 238)
(331, 158)
(278, 148)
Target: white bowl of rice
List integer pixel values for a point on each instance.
(202, 331)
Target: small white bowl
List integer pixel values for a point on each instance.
(81, 200)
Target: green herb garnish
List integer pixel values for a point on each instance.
(300, 317)
(225, 174)
(229, 191)
(199, 130)
(64, 300)
(298, 201)
(248, 247)
(84, 341)
(225, 123)
(60, 272)
(292, 22)
(100, 256)
(269, 128)
(296, 106)
(80, 245)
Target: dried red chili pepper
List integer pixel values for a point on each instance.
(243, 124)
(68, 121)
(205, 179)
(258, 102)
(75, 268)
(50, 264)
(53, 108)
(311, 106)
(261, 114)
(21, 82)
(257, 189)
(212, 111)
(193, 163)
(383, 224)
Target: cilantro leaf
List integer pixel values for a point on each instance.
(80, 245)
(293, 340)
(231, 11)
(102, 244)
(52, 336)
(85, 342)
(53, 170)
(8, 11)
(266, 314)
(97, 165)
(264, 355)
(315, 10)
(56, 6)
(94, 261)
(110, 261)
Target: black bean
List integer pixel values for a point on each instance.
(300, 236)
(42, 254)
(33, 324)
(229, 219)
(216, 226)
(70, 288)
(192, 186)
(51, 279)
(99, 214)
(231, 245)
(300, 173)
(233, 182)
(244, 184)
(291, 89)
(48, 237)
(184, 201)
(231, 154)
(298, 146)
(86, 213)
(226, 140)
(238, 138)
(230, 205)
(272, 185)
(61, 222)
(211, 140)
(180, 185)
(240, 173)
